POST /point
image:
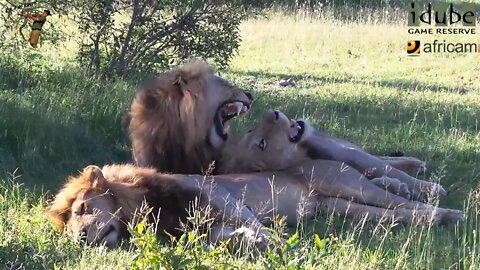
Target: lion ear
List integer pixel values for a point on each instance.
(181, 82)
(94, 175)
(192, 85)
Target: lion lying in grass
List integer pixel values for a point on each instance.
(99, 203)
(277, 143)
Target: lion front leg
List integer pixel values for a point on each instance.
(406, 164)
(374, 167)
(421, 190)
(336, 179)
(392, 185)
(327, 147)
(347, 208)
(322, 147)
(233, 211)
(242, 237)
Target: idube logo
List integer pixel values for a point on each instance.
(442, 14)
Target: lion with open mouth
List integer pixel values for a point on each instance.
(277, 143)
(179, 121)
(100, 202)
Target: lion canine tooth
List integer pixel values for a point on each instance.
(239, 110)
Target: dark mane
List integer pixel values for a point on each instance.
(167, 123)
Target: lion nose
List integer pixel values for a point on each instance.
(249, 95)
(83, 233)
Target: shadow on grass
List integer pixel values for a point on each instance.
(44, 151)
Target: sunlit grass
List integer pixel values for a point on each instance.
(352, 80)
(335, 50)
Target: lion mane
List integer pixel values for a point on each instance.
(167, 121)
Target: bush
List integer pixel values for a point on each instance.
(149, 35)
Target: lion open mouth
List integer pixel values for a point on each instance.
(296, 130)
(227, 111)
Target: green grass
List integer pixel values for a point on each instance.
(353, 80)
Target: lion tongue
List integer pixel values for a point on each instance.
(293, 131)
(233, 108)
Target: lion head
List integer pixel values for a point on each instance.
(272, 144)
(86, 207)
(177, 123)
(98, 204)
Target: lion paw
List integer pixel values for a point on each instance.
(393, 185)
(416, 165)
(422, 166)
(404, 191)
(453, 216)
(429, 192)
(251, 238)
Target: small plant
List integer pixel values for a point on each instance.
(190, 251)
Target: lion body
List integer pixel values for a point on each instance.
(116, 192)
(100, 203)
(279, 144)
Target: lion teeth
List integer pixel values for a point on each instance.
(239, 109)
(226, 129)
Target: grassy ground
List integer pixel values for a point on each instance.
(353, 80)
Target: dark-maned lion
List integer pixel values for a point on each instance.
(99, 203)
(277, 143)
(178, 122)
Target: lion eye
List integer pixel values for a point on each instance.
(81, 209)
(262, 144)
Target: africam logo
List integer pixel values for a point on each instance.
(414, 47)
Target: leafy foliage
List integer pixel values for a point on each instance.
(126, 36)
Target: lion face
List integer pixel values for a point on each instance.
(85, 209)
(273, 144)
(92, 217)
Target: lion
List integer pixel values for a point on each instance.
(277, 143)
(178, 122)
(98, 204)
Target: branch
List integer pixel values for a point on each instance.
(137, 13)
